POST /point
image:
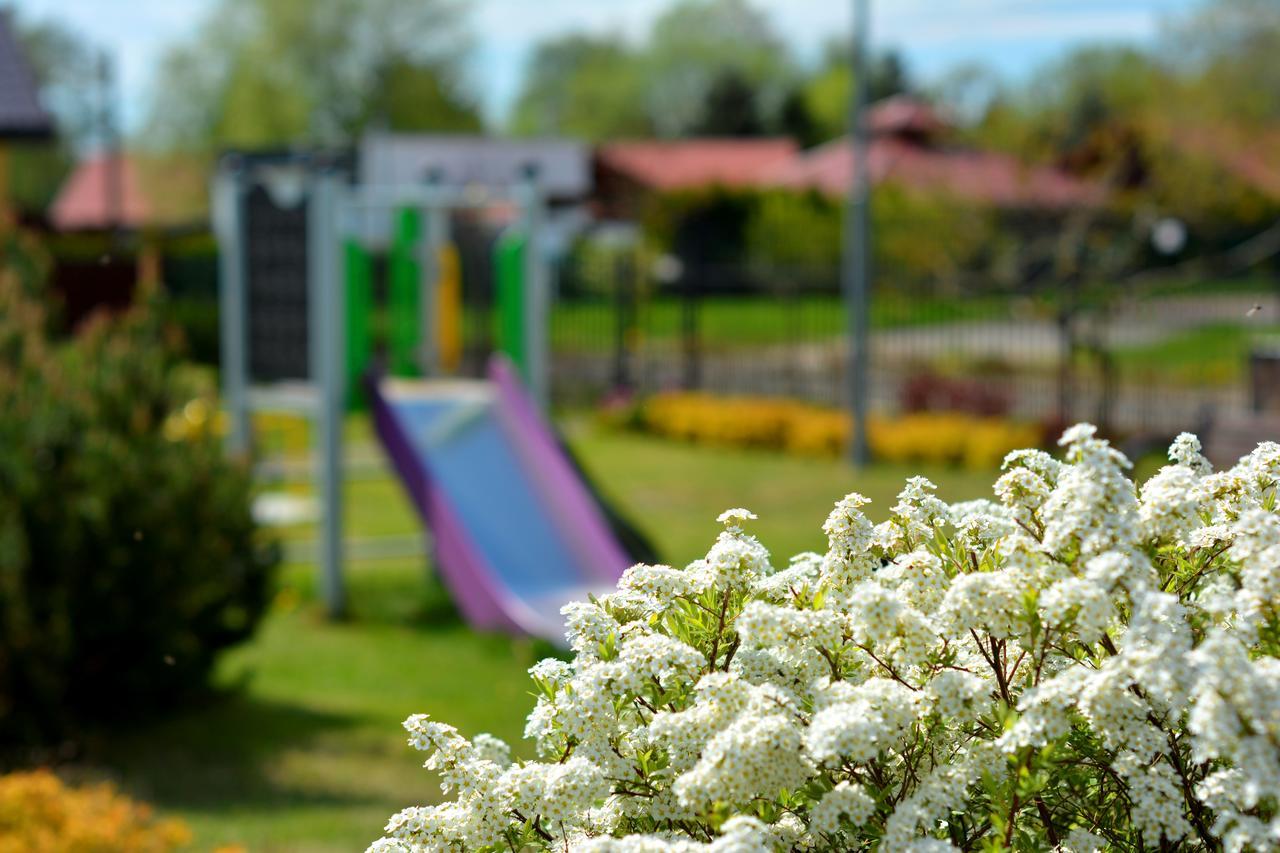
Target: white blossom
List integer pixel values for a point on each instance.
(1083, 664)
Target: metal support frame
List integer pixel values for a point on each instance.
(536, 296)
(857, 251)
(229, 193)
(435, 234)
(327, 344)
(433, 202)
(333, 211)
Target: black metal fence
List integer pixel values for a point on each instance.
(1136, 355)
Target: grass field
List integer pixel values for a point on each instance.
(725, 321)
(746, 321)
(301, 748)
(1213, 354)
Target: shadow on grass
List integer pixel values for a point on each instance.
(394, 592)
(421, 601)
(225, 752)
(435, 608)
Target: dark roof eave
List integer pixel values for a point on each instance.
(27, 134)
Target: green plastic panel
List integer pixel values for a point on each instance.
(358, 267)
(404, 296)
(509, 266)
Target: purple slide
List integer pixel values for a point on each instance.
(517, 535)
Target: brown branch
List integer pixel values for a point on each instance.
(892, 672)
(536, 824)
(733, 649)
(1047, 820)
(715, 644)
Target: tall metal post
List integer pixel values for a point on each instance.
(327, 343)
(537, 297)
(113, 156)
(856, 278)
(229, 214)
(435, 232)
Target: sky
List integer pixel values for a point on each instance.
(1011, 36)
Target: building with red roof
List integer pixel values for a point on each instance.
(127, 192)
(103, 192)
(1252, 156)
(118, 212)
(908, 147)
(627, 171)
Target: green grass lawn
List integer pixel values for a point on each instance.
(746, 321)
(1213, 354)
(727, 321)
(301, 748)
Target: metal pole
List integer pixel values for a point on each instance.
(327, 346)
(623, 295)
(691, 278)
(112, 155)
(857, 251)
(434, 233)
(536, 297)
(229, 214)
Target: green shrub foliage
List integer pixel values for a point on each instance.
(128, 552)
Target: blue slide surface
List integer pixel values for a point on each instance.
(510, 559)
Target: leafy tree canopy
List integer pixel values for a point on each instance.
(706, 67)
(276, 72)
(66, 67)
(590, 87)
(827, 92)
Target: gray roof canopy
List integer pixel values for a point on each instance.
(390, 159)
(21, 115)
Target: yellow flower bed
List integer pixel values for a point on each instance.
(39, 814)
(931, 438)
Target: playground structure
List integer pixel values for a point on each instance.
(515, 531)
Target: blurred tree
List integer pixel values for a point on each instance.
(412, 97)
(1229, 53)
(1092, 88)
(969, 91)
(591, 87)
(277, 72)
(828, 90)
(1090, 112)
(696, 43)
(1215, 64)
(66, 69)
(1172, 129)
(795, 121)
(708, 67)
(731, 108)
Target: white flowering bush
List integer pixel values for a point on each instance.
(1079, 666)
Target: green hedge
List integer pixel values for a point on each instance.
(918, 239)
(128, 553)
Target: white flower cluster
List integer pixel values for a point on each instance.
(1076, 666)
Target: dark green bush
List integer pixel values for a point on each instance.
(920, 239)
(128, 553)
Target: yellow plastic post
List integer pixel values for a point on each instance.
(448, 307)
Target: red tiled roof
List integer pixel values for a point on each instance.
(902, 151)
(683, 164)
(1253, 157)
(83, 202)
(903, 114)
(989, 177)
